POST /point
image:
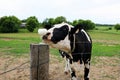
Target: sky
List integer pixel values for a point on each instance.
(98, 11)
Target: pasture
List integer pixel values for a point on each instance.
(105, 65)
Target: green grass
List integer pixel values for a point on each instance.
(101, 49)
(105, 43)
(17, 43)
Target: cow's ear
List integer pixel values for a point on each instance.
(47, 26)
(73, 30)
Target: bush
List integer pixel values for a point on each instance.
(9, 24)
(49, 22)
(85, 24)
(32, 23)
(110, 28)
(60, 19)
(117, 26)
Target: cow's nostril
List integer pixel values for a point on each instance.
(44, 37)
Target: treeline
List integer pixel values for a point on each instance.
(10, 24)
(85, 24)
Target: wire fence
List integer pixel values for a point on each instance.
(16, 68)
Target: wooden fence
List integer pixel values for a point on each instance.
(39, 69)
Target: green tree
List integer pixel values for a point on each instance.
(46, 24)
(32, 23)
(9, 24)
(117, 26)
(49, 22)
(60, 19)
(75, 22)
(85, 24)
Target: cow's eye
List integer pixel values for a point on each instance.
(48, 34)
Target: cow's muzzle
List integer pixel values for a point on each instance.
(45, 37)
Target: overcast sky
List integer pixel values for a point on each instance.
(99, 11)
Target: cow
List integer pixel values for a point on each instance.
(73, 43)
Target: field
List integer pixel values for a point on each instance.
(105, 64)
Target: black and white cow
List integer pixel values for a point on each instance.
(74, 44)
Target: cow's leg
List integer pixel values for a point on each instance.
(86, 70)
(69, 68)
(72, 70)
(73, 75)
(66, 66)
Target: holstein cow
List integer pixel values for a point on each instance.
(74, 44)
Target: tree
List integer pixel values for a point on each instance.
(85, 24)
(48, 23)
(117, 26)
(60, 19)
(9, 24)
(75, 22)
(32, 23)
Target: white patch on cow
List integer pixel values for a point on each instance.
(66, 66)
(86, 34)
(63, 45)
(88, 75)
(77, 31)
(42, 32)
(69, 67)
(87, 65)
(74, 78)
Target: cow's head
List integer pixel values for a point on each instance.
(58, 36)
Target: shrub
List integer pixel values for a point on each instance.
(85, 24)
(9, 24)
(49, 22)
(32, 23)
(110, 28)
(117, 26)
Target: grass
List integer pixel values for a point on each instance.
(17, 43)
(101, 49)
(105, 43)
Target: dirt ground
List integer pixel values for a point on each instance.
(102, 68)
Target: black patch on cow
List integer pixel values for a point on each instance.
(86, 72)
(64, 54)
(73, 74)
(59, 34)
(83, 47)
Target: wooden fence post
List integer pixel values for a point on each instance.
(39, 62)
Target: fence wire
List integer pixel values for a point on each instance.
(19, 66)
